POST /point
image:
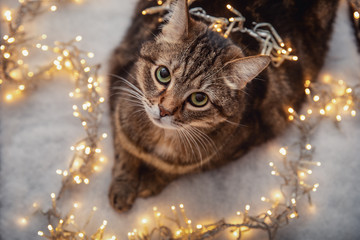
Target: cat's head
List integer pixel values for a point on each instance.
(192, 76)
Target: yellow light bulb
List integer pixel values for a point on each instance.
(78, 38)
(282, 151)
(7, 55)
(338, 118)
(356, 15)
(7, 15)
(308, 146)
(316, 98)
(302, 117)
(53, 8)
(290, 110)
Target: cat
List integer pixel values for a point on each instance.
(184, 99)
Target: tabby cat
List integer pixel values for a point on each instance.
(184, 99)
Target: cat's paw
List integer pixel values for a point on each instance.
(152, 183)
(122, 194)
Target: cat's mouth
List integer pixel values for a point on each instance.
(165, 122)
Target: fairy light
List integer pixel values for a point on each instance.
(356, 15)
(53, 8)
(282, 151)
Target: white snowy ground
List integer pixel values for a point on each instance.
(36, 133)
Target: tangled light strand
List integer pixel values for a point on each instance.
(15, 78)
(270, 41)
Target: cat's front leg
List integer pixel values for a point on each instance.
(152, 181)
(125, 181)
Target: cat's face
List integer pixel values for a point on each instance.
(191, 76)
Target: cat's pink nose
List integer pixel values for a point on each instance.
(163, 111)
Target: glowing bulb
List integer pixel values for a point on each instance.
(346, 107)
(144, 220)
(293, 201)
(356, 15)
(6, 55)
(290, 110)
(291, 117)
(181, 205)
(25, 52)
(302, 117)
(338, 118)
(293, 215)
(238, 213)
(247, 207)
(40, 233)
(87, 69)
(271, 164)
(307, 91)
(98, 150)
(308, 146)
(66, 53)
(81, 235)
(9, 97)
(348, 90)
(101, 99)
(273, 172)
(7, 15)
(44, 36)
(104, 135)
(263, 199)
(199, 226)
(59, 172)
(189, 221)
(87, 150)
(90, 55)
(316, 98)
(76, 205)
(229, 6)
(269, 212)
(78, 38)
(309, 111)
(322, 111)
(52, 195)
(86, 181)
(353, 113)
(328, 107)
(144, 12)
(50, 228)
(44, 47)
(295, 58)
(53, 8)
(11, 40)
(23, 221)
(282, 151)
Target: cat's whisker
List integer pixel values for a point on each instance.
(208, 144)
(128, 83)
(183, 134)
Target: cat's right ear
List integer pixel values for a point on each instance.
(177, 27)
(243, 70)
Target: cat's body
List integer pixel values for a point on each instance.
(160, 129)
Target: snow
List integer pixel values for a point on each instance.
(37, 131)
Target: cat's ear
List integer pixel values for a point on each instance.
(243, 70)
(177, 27)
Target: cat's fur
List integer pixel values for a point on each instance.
(243, 111)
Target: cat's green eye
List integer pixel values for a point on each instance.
(198, 99)
(162, 74)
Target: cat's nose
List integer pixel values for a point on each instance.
(163, 111)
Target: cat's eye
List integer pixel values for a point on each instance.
(162, 74)
(198, 99)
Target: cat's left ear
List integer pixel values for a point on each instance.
(243, 70)
(177, 27)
